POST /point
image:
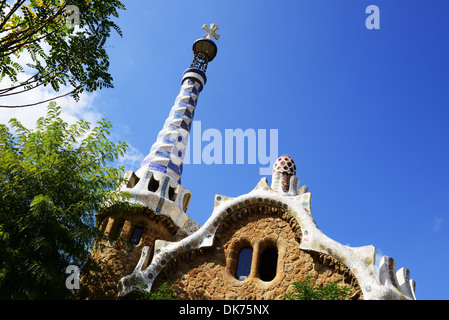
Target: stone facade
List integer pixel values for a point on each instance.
(211, 273)
(115, 255)
(203, 265)
(156, 241)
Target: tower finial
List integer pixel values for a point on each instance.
(211, 31)
(204, 49)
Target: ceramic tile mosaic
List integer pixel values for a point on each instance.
(377, 278)
(162, 167)
(167, 153)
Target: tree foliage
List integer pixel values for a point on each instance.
(307, 290)
(53, 180)
(163, 292)
(61, 54)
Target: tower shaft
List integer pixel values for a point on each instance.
(167, 153)
(156, 188)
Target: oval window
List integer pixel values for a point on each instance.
(244, 263)
(268, 264)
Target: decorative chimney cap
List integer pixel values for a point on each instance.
(285, 164)
(204, 49)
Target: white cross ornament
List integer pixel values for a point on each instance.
(211, 31)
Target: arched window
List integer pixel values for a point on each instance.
(186, 201)
(137, 234)
(244, 263)
(172, 194)
(118, 230)
(268, 264)
(153, 184)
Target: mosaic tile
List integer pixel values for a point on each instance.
(166, 154)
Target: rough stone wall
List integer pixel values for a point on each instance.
(210, 273)
(111, 260)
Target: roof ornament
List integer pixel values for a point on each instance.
(211, 31)
(284, 179)
(205, 49)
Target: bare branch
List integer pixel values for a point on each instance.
(3, 92)
(18, 92)
(27, 81)
(36, 103)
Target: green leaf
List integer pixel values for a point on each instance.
(78, 59)
(307, 290)
(52, 183)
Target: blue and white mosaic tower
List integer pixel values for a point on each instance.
(167, 153)
(157, 184)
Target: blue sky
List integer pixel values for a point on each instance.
(363, 113)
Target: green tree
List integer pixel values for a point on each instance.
(163, 292)
(307, 290)
(62, 54)
(53, 179)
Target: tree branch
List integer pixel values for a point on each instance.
(21, 45)
(20, 85)
(30, 81)
(36, 103)
(18, 92)
(29, 32)
(11, 12)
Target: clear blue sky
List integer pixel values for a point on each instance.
(363, 113)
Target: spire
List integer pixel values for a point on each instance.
(205, 50)
(157, 184)
(167, 153)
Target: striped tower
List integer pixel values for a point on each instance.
(157, 184)
(131, 231)
(167, 153)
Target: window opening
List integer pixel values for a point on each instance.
(137, 234)
(186, 201)
(172, 194)
(103, 225)
(153, 185)
(268, 264)
(118, 230)
(133, 180)
(244, 263)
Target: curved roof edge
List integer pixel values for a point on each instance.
(377, 279)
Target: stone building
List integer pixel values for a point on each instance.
(252, 246)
